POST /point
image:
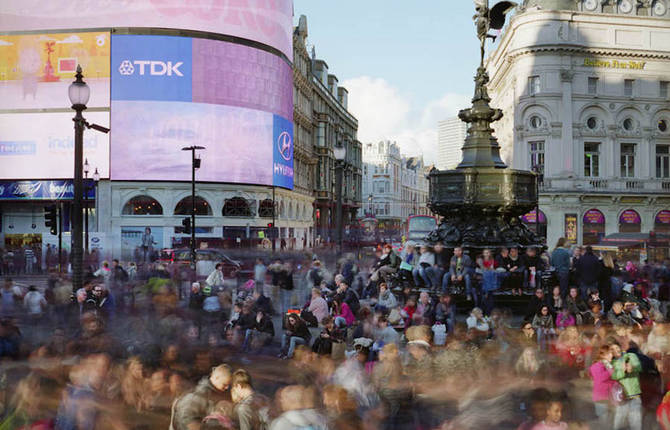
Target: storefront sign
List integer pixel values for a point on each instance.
(571, 227)
(663, 217)
(531, 218)
(614, 64)
(39, 190)
(629, 216)
(594, 216)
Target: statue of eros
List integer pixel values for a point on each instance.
(490, 18)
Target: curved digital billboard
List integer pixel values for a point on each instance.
(265, 21)
(169, 92)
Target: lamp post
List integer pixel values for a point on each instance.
(79, 93)
(195, 164)
(340, 152)
(86, 170)
(370, 212)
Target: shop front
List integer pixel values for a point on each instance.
(593, 227)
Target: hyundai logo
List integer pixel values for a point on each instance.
(154, 68)
(285, 145)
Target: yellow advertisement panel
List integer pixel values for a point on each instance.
(36, 69)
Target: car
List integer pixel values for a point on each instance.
(206, 260)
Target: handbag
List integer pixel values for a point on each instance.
(616, 394)
(337, 350)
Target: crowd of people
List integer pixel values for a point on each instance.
(356, 344)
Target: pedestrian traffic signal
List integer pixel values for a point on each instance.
(51, 218)
(186, 222)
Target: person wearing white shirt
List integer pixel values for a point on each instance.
(215, 279)
(426, 260)
(34, 302)
(477, 321)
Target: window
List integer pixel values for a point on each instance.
(593, 86)
(663, 89)
(537, 157)
(628, 87)
(142, 205)
(237, 206)
(591, 160)
(321, 135)
(628, 124)
(627, 160)
(265, 208)
(535, 122)
(202, 208)
(663, 161)
(533, 85)
(592, 123)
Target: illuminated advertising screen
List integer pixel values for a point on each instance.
(36, 69)
(172, 92)
(265, 21)
(41, 145)
(630, 216)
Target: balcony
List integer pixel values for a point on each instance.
(609, 185)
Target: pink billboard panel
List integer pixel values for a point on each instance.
(266, 21)
(663, 217)
(594, 216)
(629, 216)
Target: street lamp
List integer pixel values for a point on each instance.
(370, 205)
(88, 188)
(340, 152)
(79, 93)
(195, 164)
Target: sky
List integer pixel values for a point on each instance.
(406, 63)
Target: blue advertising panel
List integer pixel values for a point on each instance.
(40, 190)
(282, 166)
(169, 92)
(152, 68)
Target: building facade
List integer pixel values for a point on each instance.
(395, 187)
(331, 125)
(584, 91)
(228, 214)
(450, 137)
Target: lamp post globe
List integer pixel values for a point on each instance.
(340, 152)
(79, 91)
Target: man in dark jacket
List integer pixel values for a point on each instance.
(388, 264)
(588, 271)
(189, 410)
(460, 271)
(536, 303)
(349, 296)
(441, 266)
(534, 267)
(260, 334)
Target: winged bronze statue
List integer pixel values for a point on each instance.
(490, 18)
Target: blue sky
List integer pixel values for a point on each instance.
(406, 64)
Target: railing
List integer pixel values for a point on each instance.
(605, 185)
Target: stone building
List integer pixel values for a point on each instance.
(584, 91)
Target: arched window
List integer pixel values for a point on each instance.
(630, 221)
(237, 206)
(265, 208)
(202, 207)
(142, 205)
(593, 227)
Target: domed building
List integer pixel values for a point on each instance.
(584, 90)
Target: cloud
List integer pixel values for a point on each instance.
(43, 38)
(384, 113)
(5, 43)
(71, 39)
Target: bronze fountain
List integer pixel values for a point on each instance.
(481, 200)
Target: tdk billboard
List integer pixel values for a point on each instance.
(169, 92)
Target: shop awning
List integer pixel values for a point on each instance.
(616, 241)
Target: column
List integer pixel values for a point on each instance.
(568, 153)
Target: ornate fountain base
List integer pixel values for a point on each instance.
(481, 207)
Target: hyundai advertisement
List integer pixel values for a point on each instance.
(170, 92)
(265, 21)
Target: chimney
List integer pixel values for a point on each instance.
(343, 97)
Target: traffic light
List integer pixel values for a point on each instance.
(186, 222)
(51, 218)
(270, 225)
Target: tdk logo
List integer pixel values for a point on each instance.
(153, 68)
